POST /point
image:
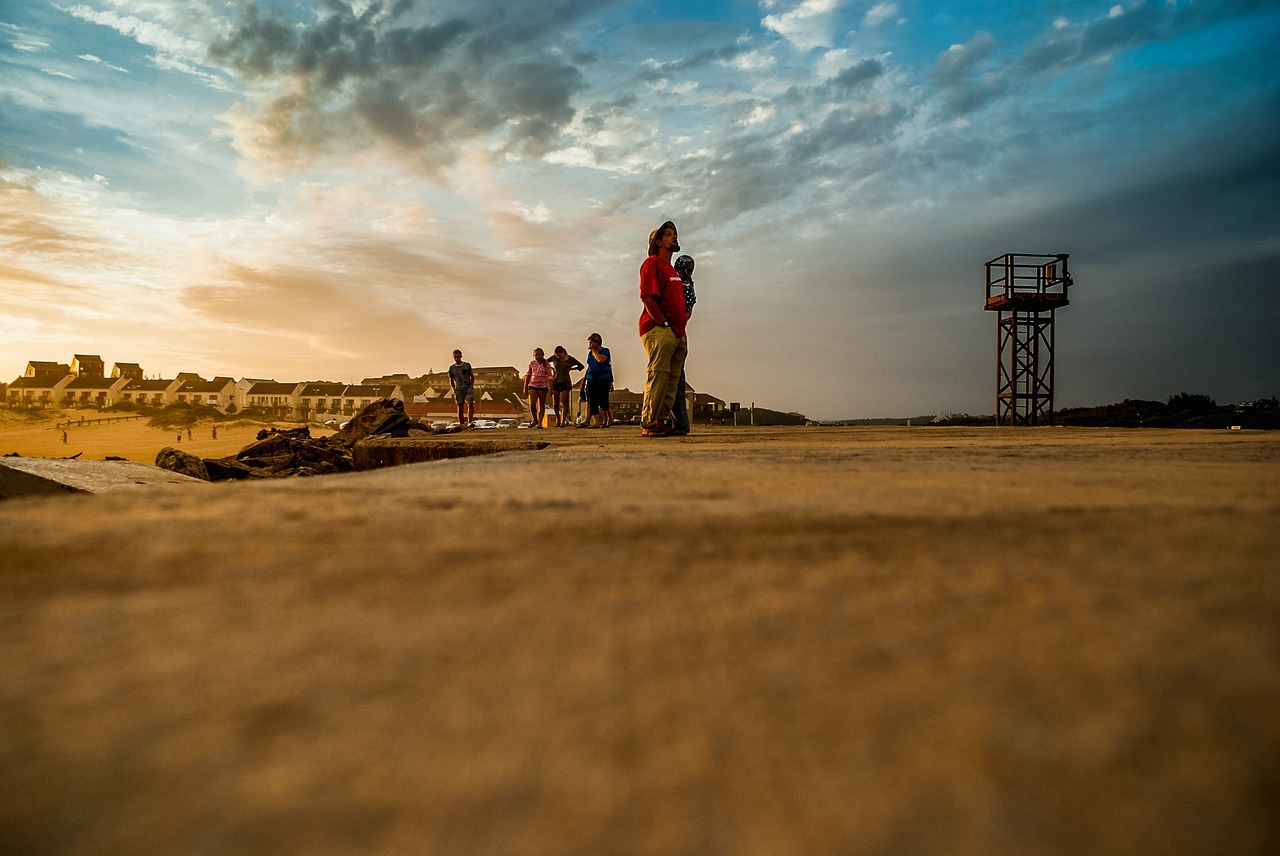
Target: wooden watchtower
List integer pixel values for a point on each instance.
(1025, 289)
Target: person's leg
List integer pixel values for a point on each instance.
(678, 354)
(540, 398)
(593, 402)
(680, 409)
(659, 344)
(471, 408)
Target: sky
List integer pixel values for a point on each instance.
(351, 188)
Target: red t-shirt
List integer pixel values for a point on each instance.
(659, 279)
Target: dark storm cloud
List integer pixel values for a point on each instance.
(344, 77)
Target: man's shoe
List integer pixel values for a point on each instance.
(659, 430)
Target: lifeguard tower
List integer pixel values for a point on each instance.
(1025, 289)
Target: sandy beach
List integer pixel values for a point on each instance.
(746, 641)
(120, 436)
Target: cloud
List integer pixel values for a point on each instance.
(165, 41)
(806, 25)
(347, 81)
(964, 85)
(87, 57)
(880, 13)
(857, 75)
(1067, 45)
(24, 41)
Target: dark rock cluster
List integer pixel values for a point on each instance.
(280, 453)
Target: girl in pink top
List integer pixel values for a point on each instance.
(537, 380)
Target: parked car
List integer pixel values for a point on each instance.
(484, 424)
(508, 423)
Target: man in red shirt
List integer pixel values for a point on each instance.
(662, 330)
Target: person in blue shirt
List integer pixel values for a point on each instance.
(599, 382)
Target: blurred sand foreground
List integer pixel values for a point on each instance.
(768, 641)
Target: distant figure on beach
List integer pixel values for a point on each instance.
(215, 432)
(661, 330)
(462, 381)
(64, 438)
(179, 436)
(561, 383)
(537, 380)
(680, 424)
(188, 433)
(598, 383)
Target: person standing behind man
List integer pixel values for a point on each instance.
(680, 423)
(462, 381)
(661, 330)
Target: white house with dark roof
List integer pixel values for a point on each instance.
(152, 393)
(321, 399)
(94, 391)
(44, 390)
(359, 396)
(219, 392)
(276, 399)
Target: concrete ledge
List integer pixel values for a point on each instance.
(378, 452)
(44, 476)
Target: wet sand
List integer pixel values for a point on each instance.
(768, 641)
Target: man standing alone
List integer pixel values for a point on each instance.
(462, 382)
(661, 330)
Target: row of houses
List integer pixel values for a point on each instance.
(84, 382)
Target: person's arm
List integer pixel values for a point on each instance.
(650, 288)
(654, 308)
(577, 366)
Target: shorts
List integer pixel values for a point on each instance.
(461, 395)
(598, 394)
(562, 385)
